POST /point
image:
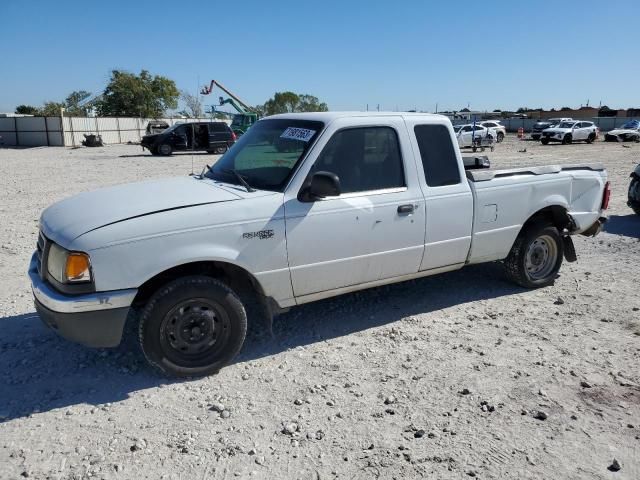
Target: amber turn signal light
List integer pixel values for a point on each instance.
(78, 267)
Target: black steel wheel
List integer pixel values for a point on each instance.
(536, 256)
(192, 326)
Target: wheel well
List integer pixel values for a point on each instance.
(236, 278)
(554, 214)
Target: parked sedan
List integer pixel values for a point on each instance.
(629, 132)
(568, 132)
(499, 130)
(469, 134)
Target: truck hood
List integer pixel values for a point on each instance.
(66, 220)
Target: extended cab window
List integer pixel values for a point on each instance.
(438, 155)
(364, 159)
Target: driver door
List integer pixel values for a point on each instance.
(465, 136)
(180, 137)
(375, 228)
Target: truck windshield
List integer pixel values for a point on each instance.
(267, 154)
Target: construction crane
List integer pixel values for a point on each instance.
(246, 115)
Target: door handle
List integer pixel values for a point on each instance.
(403, 209)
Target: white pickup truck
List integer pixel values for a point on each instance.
(303, 207)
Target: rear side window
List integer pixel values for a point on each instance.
(438, 155)
(218, 127)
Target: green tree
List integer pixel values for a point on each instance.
(27, 110)
(287, 102)
(143, 95)
(51, 109)
(309, 103)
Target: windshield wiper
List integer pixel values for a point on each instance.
(239, 177)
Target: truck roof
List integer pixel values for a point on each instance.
(330, 116)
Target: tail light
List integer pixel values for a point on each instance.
(606, 195)
(234, 137)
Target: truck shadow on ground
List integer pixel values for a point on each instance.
(626, 225)
(40, 371)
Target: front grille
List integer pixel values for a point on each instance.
(40, 252)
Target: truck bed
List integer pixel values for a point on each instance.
(483, 174)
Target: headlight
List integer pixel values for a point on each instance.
(68, 267)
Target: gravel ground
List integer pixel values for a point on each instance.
(454, 376)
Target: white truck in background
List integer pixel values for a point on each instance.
(303, 207)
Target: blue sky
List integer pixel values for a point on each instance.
(401, 54)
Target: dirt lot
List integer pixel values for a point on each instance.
(440, 378)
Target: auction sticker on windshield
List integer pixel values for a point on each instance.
(294, 133)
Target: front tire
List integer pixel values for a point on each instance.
(164, 149)
(545, 141)
(567, 139)
(536, 256)
(634, 195)
(193, 326)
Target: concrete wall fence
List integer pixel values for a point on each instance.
(70, 131)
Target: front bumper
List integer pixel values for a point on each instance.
(552, 138)
(95, 319)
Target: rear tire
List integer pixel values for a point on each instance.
(192, 326)
(591, 138)
(567, 139)
(536, 256)
(545, 141)
(500, 137)
(221, 149)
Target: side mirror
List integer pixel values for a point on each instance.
(320, 185)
